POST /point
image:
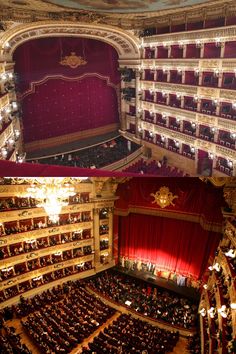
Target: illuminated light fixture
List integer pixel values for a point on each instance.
(6, 45)
(192, 149)
(10, 75)
(4, 76)
(203, 312)
(163, 138)
(38, 278)
(181, 44)
(216, 266)
(212, 312)
(211, 156)
(231, 253)
(223, 311)
(205, 286)
(234, 105)
(210, 268)
(163, 197)
(17, 133)
(233, 306)
(59, 253)
(196, 72)
(80, 265)
(14, 105)
(198, 43)
(30, 241)
(52, 193)
(8, 110)
(216, 72)
(218, 42)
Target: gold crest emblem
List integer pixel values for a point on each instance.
(73, 61)
(163, 197)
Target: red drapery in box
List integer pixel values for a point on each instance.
(173, 245)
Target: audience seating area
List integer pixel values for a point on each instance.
(146, 299)
(95, 157)
(156, 168)
(60, 319)
(130, 335)
(60, 327)
(10, 342)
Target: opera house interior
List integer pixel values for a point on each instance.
(145, 86)
(117, 265)
(118, 176)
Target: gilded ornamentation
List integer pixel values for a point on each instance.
(73, 61)
(163, 197)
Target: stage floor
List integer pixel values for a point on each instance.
(190, 293)
(72, 146)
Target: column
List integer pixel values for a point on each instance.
(167, 122)
(166, 142)
(183, 77)
(181, 125)
(182, 102)
(202, 50)
(96, 238)
(180, 148)
(168, 99)
(137, 101)
(200, 78)
(110, 239)
(197, 130)
(168, 75)
(220, 79)
(222, 50)
(122, 109)
(184, 50)
(234, 168)
(216, 136)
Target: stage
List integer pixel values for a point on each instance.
(185, 291)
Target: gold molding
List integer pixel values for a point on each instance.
(196, 218)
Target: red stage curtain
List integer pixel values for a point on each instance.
(61, 107)
(174, 245)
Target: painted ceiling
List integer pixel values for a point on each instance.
(124, 6)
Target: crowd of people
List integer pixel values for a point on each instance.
(130, 335)
(157, 168)
(10, 342)
(17, 203)
(31, 225)
(61, 326)
(44, 279)
(194, 344)
(95, 157)
(146, 299)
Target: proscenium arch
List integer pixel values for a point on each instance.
(125, 43)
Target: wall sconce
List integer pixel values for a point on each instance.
(193, 125)
(196, 72)
(216, 266)
(223, 311)
(231, 253)
(205, 286)
(216, 72)
(164, 94)
(181, 45)
(212, 312)
(192, 149)
(198, 43)
(196, 98)
(211, 156)
(179, 71)
(163, 138)
(203, 312)
(178, 96)
(234, 105)
(233, 306)
(218, 42)
(6, 45)
(233, 136)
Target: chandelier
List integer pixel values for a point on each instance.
(51, 193)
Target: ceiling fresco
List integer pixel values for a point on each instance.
(124, 6)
